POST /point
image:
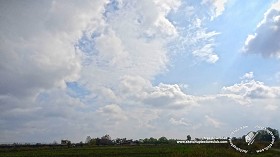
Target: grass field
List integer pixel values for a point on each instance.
(197, 150)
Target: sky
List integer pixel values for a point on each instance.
(137, 68)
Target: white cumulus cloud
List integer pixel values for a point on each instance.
(265, 40)
(37, 41)
(253, 89)
(89, 68)
(249, 75)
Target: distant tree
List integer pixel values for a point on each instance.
(274, 132)
(172, 141)
(107, 137)
(189, 137)
(162, 140)
(93, 141)
(69, 144)
(118, 141)
(146, 140)
(105, 140)
(88, 139)
(263, 135)
(152, 140)
(98, 141)
(81, 144)
(243, 137)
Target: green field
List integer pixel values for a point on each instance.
(197, 150)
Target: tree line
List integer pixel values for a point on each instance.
(106, 139)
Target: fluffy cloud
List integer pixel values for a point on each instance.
(46, 44)
(132, 42)
(87, 68)
(217, 7)
(206, 53)
(265, 40)
(163, 95)
(37, 55)
(170, 96)
(37, 40)
(247, 76)
(253, 89)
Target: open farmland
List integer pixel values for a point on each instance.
(133, 151)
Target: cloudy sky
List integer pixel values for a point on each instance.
(137, 68)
